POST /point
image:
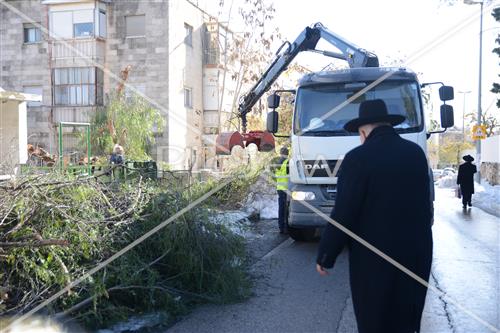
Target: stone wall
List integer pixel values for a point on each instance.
(146, 55)
(27, 64)
(491, 172)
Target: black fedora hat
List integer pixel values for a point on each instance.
(468, 158)
(373, 111)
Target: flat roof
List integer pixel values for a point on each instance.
(18, 96)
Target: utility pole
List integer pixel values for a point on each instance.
(463, 113)
(479, 111)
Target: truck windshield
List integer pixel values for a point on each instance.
(319, 112)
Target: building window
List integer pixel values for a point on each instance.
(188, 39)
(211, 130)
(102, 24)
(72, 24)
(32, 34)
(35, 90)
(135, 26)
(78, 24)
(78, 86)
(83, 30)
(188, 97)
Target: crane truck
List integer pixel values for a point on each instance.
(324, 101)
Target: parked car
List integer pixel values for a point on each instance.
(437, 173)
(449, 171)
(440, 173)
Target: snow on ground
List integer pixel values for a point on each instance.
(262, 200)
(447, 182)
(261, 203)
(137, 323)
(235, 220)
(486, 197)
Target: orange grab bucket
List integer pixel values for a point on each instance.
(226, 141)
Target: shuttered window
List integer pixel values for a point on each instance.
(78, 86)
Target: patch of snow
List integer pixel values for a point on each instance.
(487, 197)
(137, 323)
(262, 199)
(447, 182)
(235, 220)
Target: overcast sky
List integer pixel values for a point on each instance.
(398, 29)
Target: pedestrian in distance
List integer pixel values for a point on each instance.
(465, 180)
(281, 175)
(118, 155)
(383, 196)
(117, 159)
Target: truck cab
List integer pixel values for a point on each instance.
(324, 103)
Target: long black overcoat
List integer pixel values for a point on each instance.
(384, 197)
(465, 177)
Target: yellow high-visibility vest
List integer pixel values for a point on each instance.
(282, 177)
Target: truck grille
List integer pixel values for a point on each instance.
(329, 191)
(320, 168)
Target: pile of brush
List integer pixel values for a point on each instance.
(53, 229)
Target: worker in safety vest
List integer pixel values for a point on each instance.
(281, 175)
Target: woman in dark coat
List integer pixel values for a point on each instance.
(465, 179)
(383, 197)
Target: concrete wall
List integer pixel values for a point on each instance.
(490, 149)
(24, 65)
(13, 135)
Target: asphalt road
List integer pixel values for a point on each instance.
(291, 297)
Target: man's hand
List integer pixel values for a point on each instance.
(321, 270)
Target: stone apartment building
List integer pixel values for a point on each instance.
(72, 52)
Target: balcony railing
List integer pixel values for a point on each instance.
(78, 49)
(78, 114)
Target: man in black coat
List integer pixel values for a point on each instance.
(383, 196)
(465, 179)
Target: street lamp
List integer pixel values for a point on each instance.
(463, 114)
(478, 142)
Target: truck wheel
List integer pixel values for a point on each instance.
(299, 234)
(302, 234)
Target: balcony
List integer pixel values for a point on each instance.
(77, 52)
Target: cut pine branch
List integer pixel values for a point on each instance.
(41, 243)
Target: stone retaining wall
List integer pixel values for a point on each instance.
(491, 172)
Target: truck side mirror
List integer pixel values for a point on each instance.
(447, 116)
(272, 121)
(446, 93)
(273, 101)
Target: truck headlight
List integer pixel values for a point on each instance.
(301, 196)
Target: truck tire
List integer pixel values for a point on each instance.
(299, 234)
(302, 234)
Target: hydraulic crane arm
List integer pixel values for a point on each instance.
(306, 41)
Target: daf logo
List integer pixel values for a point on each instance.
(316, 166)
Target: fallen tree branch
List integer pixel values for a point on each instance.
(46, 242)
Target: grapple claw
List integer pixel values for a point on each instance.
(226, 141)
